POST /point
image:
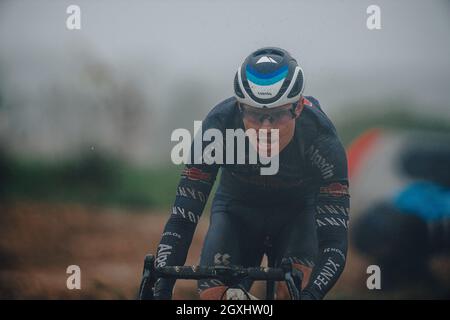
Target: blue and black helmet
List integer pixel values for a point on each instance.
(269, 77)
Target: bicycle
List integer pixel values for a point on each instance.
(231, 276)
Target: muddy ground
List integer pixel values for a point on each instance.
(39, 241)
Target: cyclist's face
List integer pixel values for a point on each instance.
(281, 118)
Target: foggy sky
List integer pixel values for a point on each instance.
(165, 47)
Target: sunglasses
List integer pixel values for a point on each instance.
(279, 115)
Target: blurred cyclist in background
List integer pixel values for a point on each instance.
(401, 234)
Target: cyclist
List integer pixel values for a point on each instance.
(301, 211)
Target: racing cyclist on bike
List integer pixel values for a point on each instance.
(302, 210)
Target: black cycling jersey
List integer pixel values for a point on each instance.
(311, 181)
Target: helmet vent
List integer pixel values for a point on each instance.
(297, 87)
(237, 89)
(267, 51)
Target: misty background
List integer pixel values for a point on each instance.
(86, 118)
(135, 72)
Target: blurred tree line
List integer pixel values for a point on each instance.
(114, 123)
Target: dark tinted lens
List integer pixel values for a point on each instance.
(281, 115)
(274, 116)
(252, 114)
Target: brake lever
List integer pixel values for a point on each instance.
(293, 278)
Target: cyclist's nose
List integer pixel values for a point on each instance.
(266, 123)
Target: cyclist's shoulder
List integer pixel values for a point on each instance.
(320, 142)
(311, 101)
(314, 121)
(222, 113)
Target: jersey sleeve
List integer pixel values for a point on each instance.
(192, 194)
(330, 201)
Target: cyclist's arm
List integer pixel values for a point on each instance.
(191, 196)
(330, 203)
